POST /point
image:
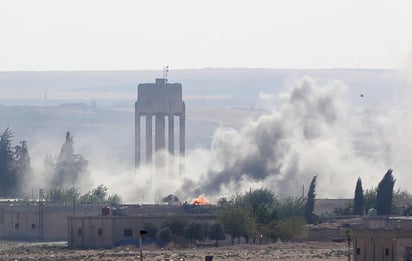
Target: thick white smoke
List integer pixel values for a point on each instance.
(311, 132)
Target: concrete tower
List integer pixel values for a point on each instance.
(160, 100)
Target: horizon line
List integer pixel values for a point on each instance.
(212, 68)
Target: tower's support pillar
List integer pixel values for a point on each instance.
(160, 132)
(137, 145)
(171, 134)
(149, 138)
(182, 134)
(182, 141)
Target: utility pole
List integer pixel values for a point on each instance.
(346, 231)
(142, 234)
(41, 214)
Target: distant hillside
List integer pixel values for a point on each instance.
(201, 87)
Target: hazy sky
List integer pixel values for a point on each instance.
(116, 35)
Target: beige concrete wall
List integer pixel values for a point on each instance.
(84, 232)
(113, 228)
(55, 225)
(375, 246)
(324, 234)
(22, 222)
(402, 245)
(22, 225)
(381, 245)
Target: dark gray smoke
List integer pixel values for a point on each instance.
(308, 134)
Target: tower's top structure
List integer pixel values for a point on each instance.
(160, 97)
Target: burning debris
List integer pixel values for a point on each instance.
(201, 200)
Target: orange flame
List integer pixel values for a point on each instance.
(201, 200)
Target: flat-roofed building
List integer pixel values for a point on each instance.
(39, 223)
(382, 238)
(87, 232)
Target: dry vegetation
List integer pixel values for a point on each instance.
(278, 251)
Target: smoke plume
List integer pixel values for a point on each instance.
(309, 133)
(308, 129)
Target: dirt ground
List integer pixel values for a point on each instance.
(277, 251)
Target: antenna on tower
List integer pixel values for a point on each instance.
(165, 72)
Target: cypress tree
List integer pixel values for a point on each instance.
(7, 175)
(310, 202)
(384, 194)
(14, 165)
(358, 200)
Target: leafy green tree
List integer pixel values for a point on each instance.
(114, 200)
(194, 231)
(216, 232)
(206, 227)
(384, 194)
(151, 230)
(99, 195)
(358, 202)
(347, 209)
(291, 207)
(407, 211)
(176, 224)
(259, 212)
(310, 202)
(284, 229)
(291, 227)
(14, 165)
(370, 199)
(261, 203)
(165, 234)
(63, 196)
(401, 195)
(8, 181)
(22, 162)
(272, 230)
(96, 196)
(237, 222)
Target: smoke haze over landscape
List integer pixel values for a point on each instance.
(295, 128)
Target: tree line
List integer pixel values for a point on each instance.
(15, 165)
(98, 195)
(65, 170)
(380, 198)
(257, 216)
(179, 230)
